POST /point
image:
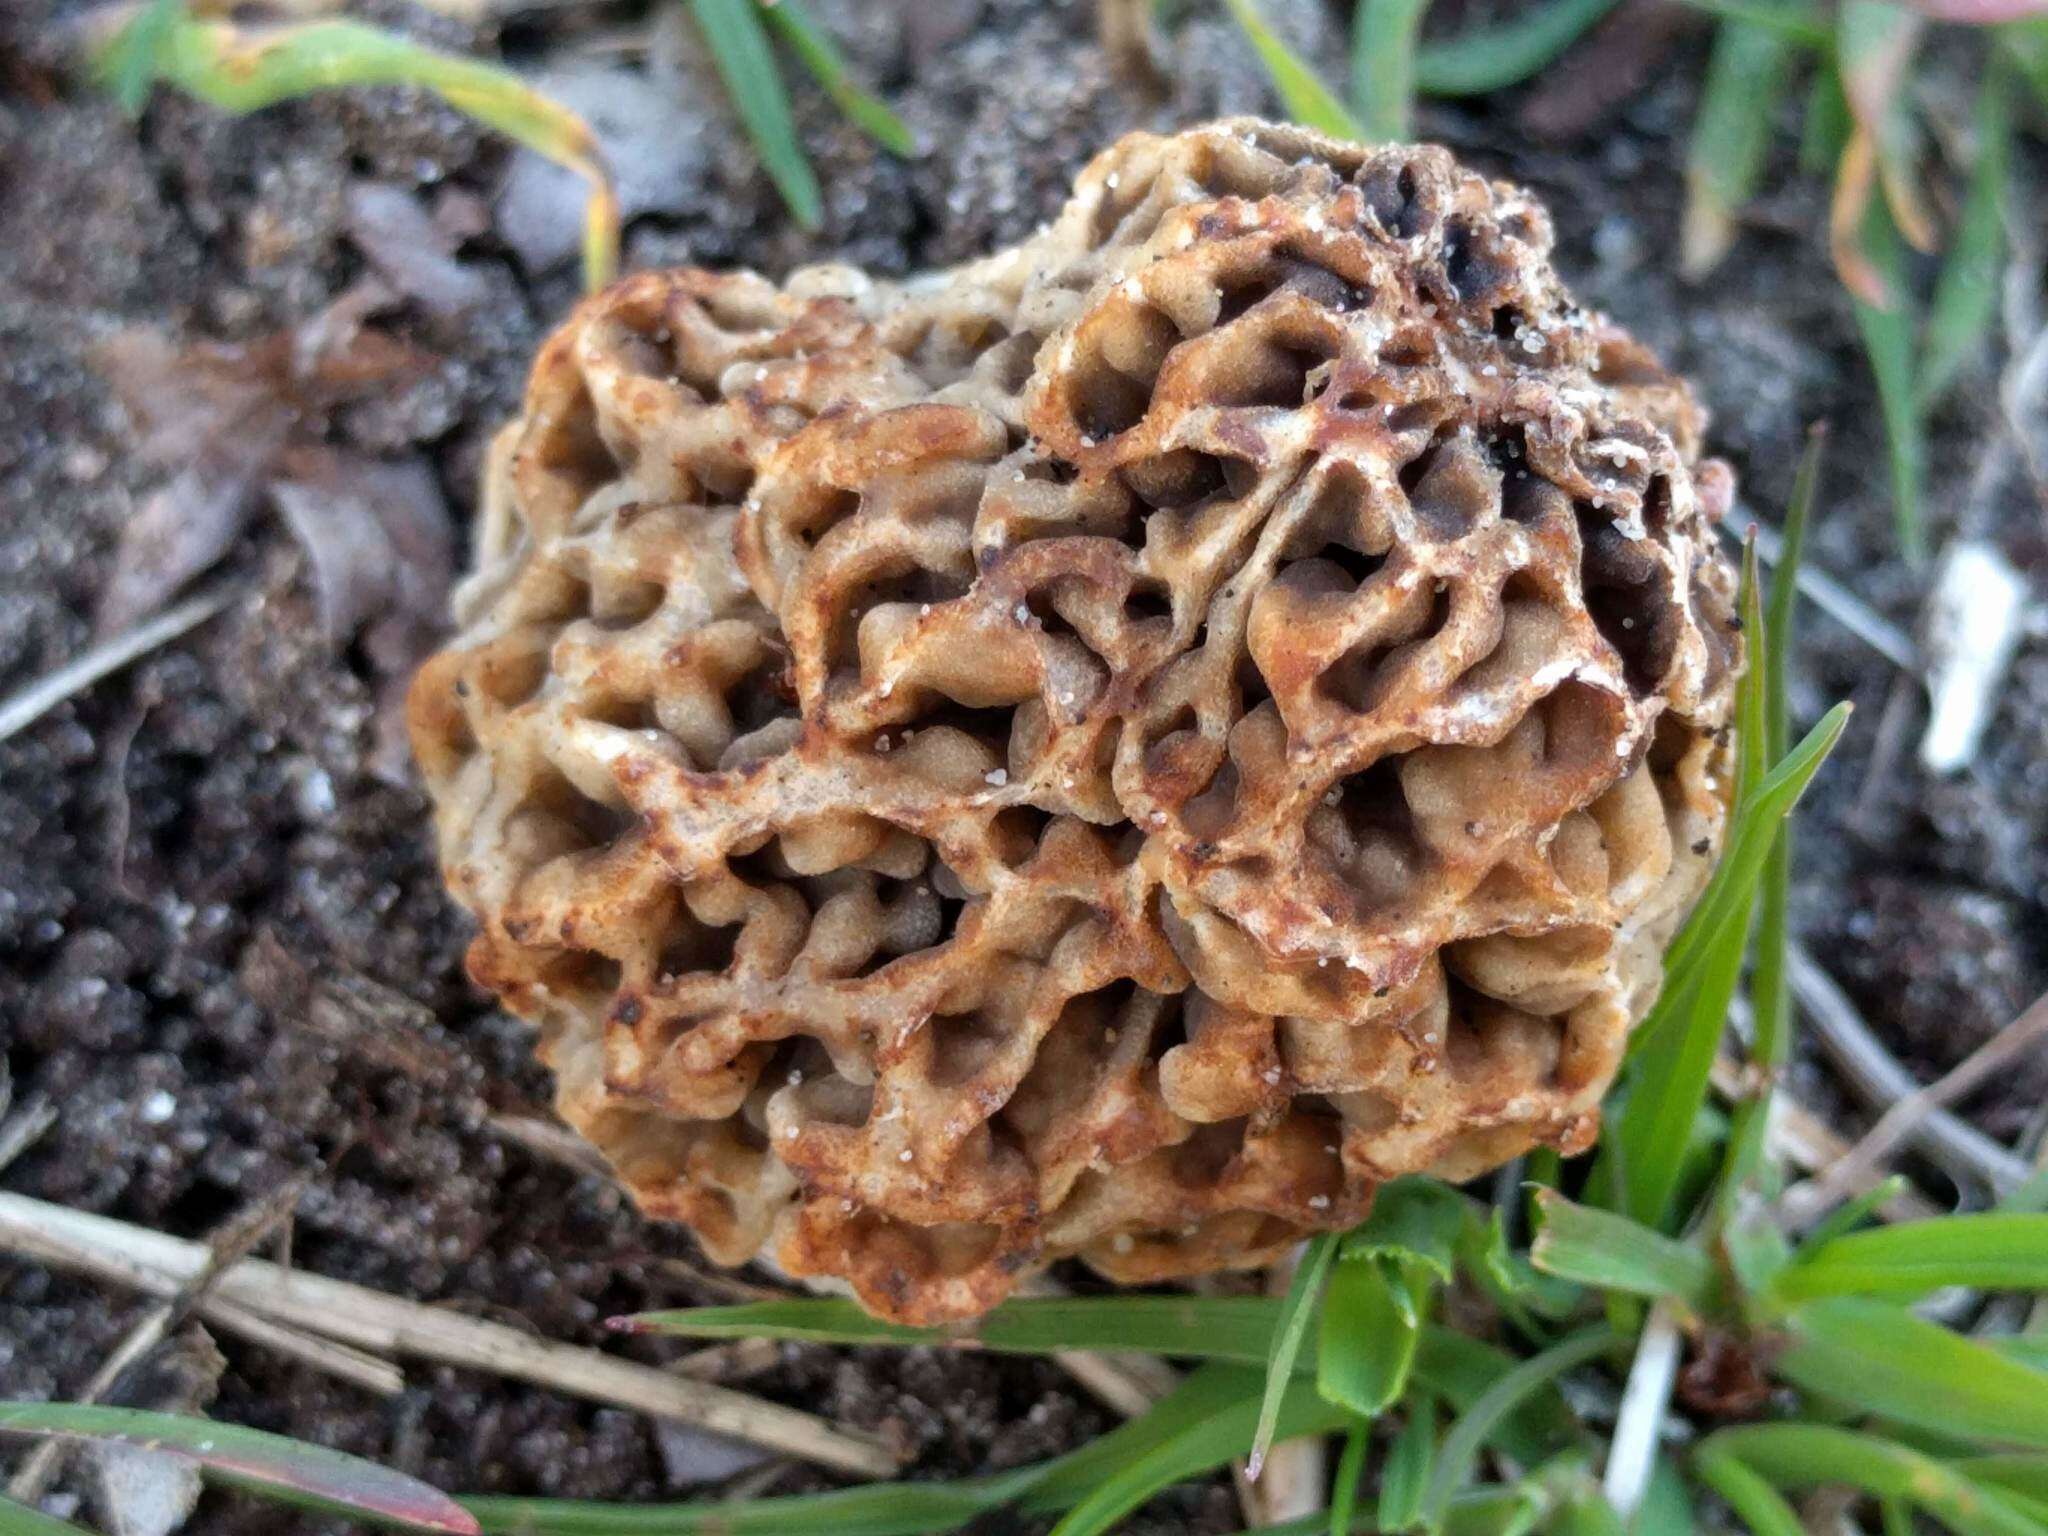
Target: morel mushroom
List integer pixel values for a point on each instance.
(1115, 750)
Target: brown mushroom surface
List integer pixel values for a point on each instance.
(1114, 750)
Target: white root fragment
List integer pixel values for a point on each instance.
(1974, 617)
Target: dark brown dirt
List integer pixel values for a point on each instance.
(194, 848)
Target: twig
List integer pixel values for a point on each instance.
(551, 1140)
(1878, 1078)
(1644, 1403)
(1830, 596)
(80, 673)
(156, 1324)
(1861, 1162)
(25, 1127)
(383, 1324)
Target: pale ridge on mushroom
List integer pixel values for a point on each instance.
(1115, 750)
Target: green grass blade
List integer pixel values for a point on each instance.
(1887, 333)
(1492, 58)
(1303, 1292)
(260, 1462)
(1230, 1328)
(1404, 1477)
(2018, 1473)
(1891, 1364)
(1350, 1468)
(1966, 294)
(1200, 1447)
(1793, 23)
(244, 72)
(1808, 1455)
(20, 1520)
(1990, 1250)
(1667, 1507)
(132, 59)
(1477, 1423)
(1853, 1213)
(1461, 1370)
(1770, 988)
(1755, 830)
(1747, 73)
(1383, 67)
(1600, 1248)
(1372, 1320)
(1304, 96)
(1758, 1505)
(1653, 1133)
(739, 47)
(880, 1509)
(821, 56)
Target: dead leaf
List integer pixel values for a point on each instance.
(219, 417)
(410, 249)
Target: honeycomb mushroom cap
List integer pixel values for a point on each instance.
(1115, 750)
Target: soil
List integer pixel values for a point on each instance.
(194, 848)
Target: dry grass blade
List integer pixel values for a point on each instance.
(241, 70)
(371, 1320)
(74, 677)
(231, 1242)
(25, 1127)
(1898, 1123)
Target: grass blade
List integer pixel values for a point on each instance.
(1887, 332)
(1228, 1328)
(1488, 59)
(1372, 1320)
(1383, 67)
(1966, 294)
(132, 59)
(1747, 73)
(1350, 1468)
(1304, 96)
(1684, 1028)
(263, 1463)
(1461, 1370)
(1991, 1250)
(1795, 23)
(1875, 41)
(1461, 1446)
(1600, 1248)
(243, 71)
(881, 1509)
(739, 47)
(1199, 1447)
(1889, 1363)
(1303, 1292)
(1770, 988)
(1404, 1477)
(821, 56)
(1804, 1455)
(20, 1520)
(1756, 828)
(1756, 1503)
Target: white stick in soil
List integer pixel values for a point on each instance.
(1974, 617)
